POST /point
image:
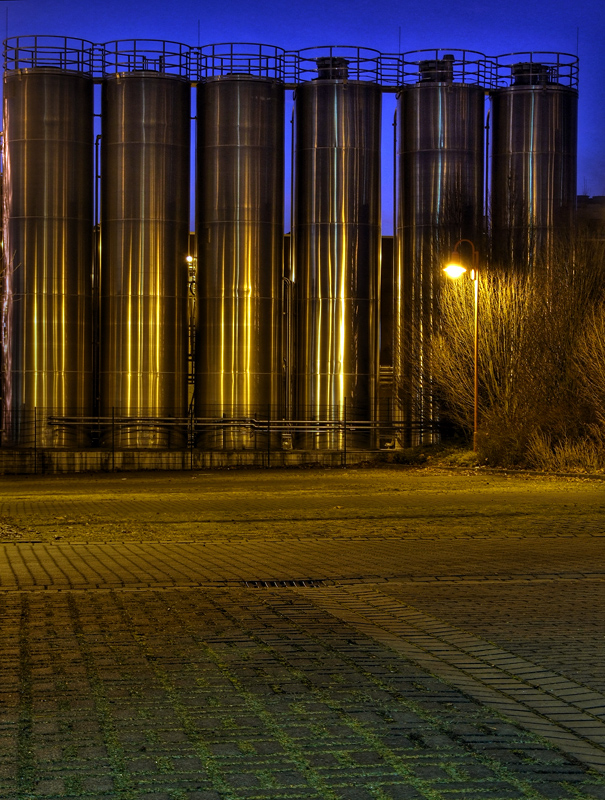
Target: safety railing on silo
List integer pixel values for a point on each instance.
(535, 68)
(153, 55)
(445, 64)
(336, 428)
(239, 58)
(57, 52)
(343, 62)
(390, 70)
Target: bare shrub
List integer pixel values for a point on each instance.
(541, 358)
(589, 358)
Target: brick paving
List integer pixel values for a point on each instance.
(73, 565)
(558, 623)
(276, 635)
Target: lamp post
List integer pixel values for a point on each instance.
(454, 269)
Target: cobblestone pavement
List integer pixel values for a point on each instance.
(363, 634)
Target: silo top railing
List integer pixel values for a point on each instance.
(155, 55)
(444, 65)
(334, 61)
(535, 69)
(58, 52)
(239, 58)
(345, 62)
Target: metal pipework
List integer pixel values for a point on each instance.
(534, 151)
(144, 271)
(336, 247)
(439, 200)
(47, 309)
(240, 174)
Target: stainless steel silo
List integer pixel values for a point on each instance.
(336, 249)
(240, 175)
(534, 155)
(48, 221)
(144, 244)
(440, 152)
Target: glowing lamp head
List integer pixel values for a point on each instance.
(189, 259)
(454, 270)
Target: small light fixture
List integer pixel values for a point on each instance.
(454, 270)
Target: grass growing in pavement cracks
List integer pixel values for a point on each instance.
(124, 784)
(439, 722)
(399, 764)
(255, 705)
(126, 787)
(26, 772)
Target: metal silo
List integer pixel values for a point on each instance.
(534, 153)
(440, 153)
(145, 146)
(239, 223)
(336, 244)
(48, 219)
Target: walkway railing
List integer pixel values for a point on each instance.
(329, 428)
(389, 70)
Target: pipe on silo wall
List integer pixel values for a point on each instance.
(534, 165)
(47, 304)
(336, 252)
(145, 157)
(440, 153)
(240, 175)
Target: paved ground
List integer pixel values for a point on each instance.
(302, 634)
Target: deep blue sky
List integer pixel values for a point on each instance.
(492, 28)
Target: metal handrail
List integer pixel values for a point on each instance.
(361, 63)
(550, 68)
(240, 58)
(153, 55)
(47, 51)
(389, 70)
(464, 66)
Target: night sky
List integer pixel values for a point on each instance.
(493, 29)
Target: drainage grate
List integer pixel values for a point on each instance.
(304, 583)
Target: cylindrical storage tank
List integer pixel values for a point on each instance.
(239, 223)
(534, 159)
(48, 223)
(144, 245)
(336, 250)
(440, 153)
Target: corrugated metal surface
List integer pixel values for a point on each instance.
(336, 247)
(240, 174)
(144, 234)
(48, 185)
(534, 156)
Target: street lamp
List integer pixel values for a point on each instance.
(454, 269)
